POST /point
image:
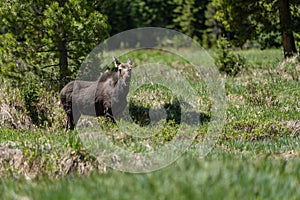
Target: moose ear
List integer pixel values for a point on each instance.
(117, 63)
(129, 61)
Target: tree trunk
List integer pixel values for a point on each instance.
(288, 41)
(64, 72)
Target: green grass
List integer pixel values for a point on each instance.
(262, 58)
(255, 157)
(223, 174)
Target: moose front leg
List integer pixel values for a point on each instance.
(108, 114)
(70, 122)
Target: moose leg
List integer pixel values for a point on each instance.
(72, 119)
(71, 122)
(108, 114)
(75, 118)
(104, 109)
(67, 124)
(111, 118)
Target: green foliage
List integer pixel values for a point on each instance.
(124, 15)
(168, 132)
(48, 38)
(214, 28)
(227, 61)
(247, 19)
(297, 39)
(151, 13)
(30, 90)
(189, 18)
(262, 59)
(119, 15)
(257, 20)
(186, 16)
(269, 40)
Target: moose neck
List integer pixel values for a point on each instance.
(122, 85)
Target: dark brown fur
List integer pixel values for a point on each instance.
(104, 97)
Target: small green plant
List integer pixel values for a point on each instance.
(168, 132)
(228, 62)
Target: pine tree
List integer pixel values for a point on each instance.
(48, 38)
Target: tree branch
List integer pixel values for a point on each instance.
(45, 51)
(47, 66)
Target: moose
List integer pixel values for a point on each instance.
(103, 97)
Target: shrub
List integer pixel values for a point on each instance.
(227, 61)
(29, 103)
(30, 88)
(12, 113)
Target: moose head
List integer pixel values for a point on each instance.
(124, 70)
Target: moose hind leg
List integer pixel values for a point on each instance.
(72, 120)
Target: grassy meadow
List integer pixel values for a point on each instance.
(255, 157)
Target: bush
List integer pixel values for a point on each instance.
(12, 113)
(30, 88)
(29, 103)
(227, 61)
(41, 103)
